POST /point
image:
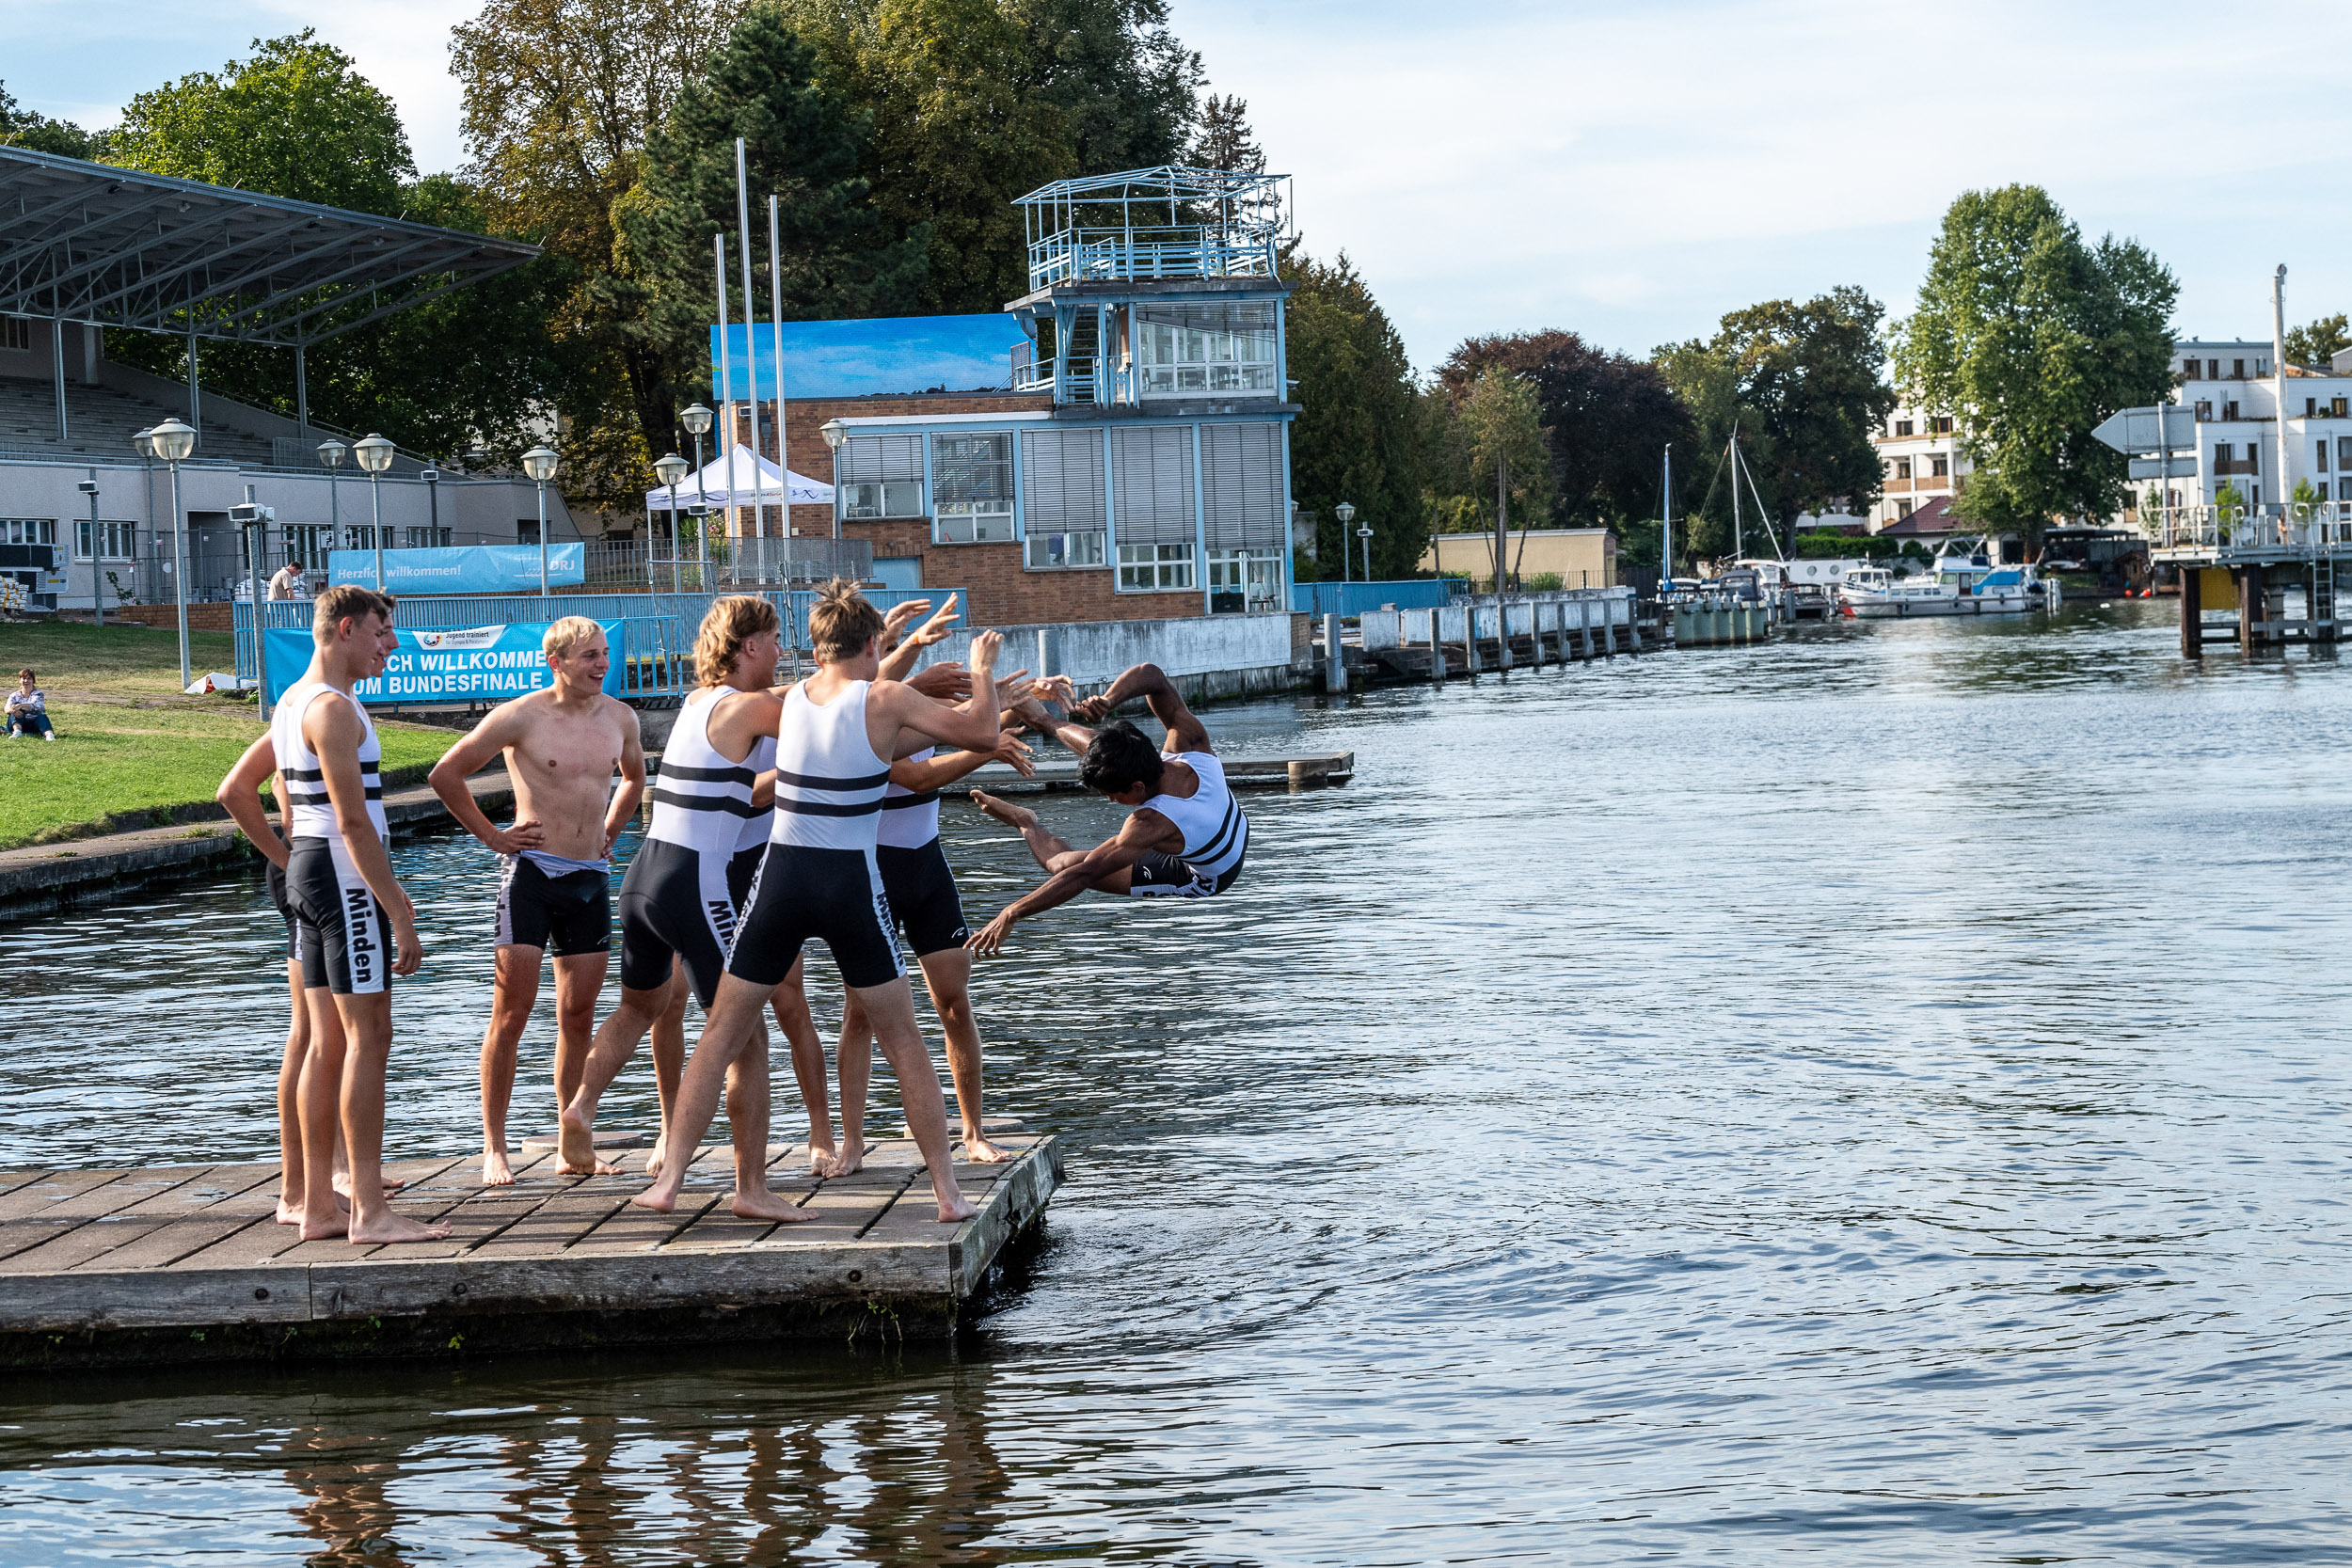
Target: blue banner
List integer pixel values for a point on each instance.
(480, 664)
(463, 569)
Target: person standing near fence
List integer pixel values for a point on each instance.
(563, 745)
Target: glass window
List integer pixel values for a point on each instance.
(2344, 489)
(890, 497)
(427, 538)
(28, 530)
(1244, 581)
(308, 543)
(1143, 568)
(972, 488)
(1185, 350)
(1049, 551)
(120, 541)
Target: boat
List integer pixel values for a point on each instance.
(1961, 585)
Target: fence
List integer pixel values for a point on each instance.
(658, 633)
(1576, 609)
(652, 566)
(2312, 527)
(1349, 600)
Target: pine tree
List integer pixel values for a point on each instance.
(1221, 138)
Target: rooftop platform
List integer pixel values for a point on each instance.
(134, 1267)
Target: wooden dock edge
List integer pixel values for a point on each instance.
(369, 1309)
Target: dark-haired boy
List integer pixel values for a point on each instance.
(1184, 836)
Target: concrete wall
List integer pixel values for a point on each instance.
(1583, 556)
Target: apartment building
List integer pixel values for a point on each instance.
(1920, 461)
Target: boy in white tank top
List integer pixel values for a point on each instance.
(355, 926)
(1184, 836)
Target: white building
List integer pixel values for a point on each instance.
(2230, 387)
(1920, 461)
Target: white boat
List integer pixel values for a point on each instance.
(1960, 587)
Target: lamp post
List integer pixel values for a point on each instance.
(332, 452)
(672, 468)
(696, 419)
(144, 444)
(835, 433)
(1365, 534)
(432, 477)
(173, 442)
(1345, 512)
(375, 456)
(539, 463)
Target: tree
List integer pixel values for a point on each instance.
(1221, 138)
(294, 121)
(2029, 338)
(2318, 343)
(1608, 419)
(23, 127)
(801, 143)
(1353, 439)
(1804, 386)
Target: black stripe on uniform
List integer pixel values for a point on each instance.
(827, 808)
(899, 802)
(1223, 839)
(707, 775)
(704, 803)
(809, 781)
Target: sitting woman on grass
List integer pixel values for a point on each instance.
(28, 709)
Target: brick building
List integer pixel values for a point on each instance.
(1134, 464)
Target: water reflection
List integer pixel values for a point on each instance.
(1872, 1096)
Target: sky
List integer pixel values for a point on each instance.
(1628, 171)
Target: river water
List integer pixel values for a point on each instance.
(1875, 1098)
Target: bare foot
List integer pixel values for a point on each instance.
(496, 1172)
(847, 1160)
(956, 1211)
(291, 1213)
(1019, 818)
(343, 1184)
(977, 1150)
(653, 1164)
(820, 1158)
(660, 1198)
(319, 1228)
(767, 1205)
(396, 1227)
(576, 1146)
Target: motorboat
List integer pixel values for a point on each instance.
(1875, 593)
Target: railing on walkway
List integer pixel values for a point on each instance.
(1349, 600)
(653, 567)
(2313, 527)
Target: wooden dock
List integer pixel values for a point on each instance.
(188, 1263)
(1312, 771)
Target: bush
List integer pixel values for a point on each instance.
(1545, 582)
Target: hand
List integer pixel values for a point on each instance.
(1055, 688)
(1014, 687)
(526, 835)
(943, 682)
(613, 831)
(1091, 710)
(983, 655)
(936, 629)
(895, 621)
(409, 950)
(989, 940)
(1011, 749)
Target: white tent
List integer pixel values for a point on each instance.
(754, 473)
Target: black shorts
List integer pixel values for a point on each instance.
(1160, 875)
(346, 937)
(832, 896)
(565, 915)
(742, 871)
(675, 903)
(275, 879)
(923, 898)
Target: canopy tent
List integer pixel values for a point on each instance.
(762, 483)
(90, 243)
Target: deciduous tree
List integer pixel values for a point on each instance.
(2315, 344)
(2028, 337)
(24, 127)
(1355, 437)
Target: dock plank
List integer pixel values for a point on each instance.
(76, 1244)
(40, 1197)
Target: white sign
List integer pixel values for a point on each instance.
(2179, 465)
(2134, 431)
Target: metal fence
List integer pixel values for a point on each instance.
(1351, 599)
(2315, 527)
(656, 650)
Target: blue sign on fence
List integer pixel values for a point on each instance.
(463, 569)
(479, 664)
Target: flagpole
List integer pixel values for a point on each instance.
(751, 341)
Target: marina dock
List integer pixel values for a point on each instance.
(187, 1264)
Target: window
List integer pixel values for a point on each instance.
(2311, 408)
(2262, 367)
(2204, 413)
(1245, 582)
(1902, 470)
(16, 334)
(2237, 369)
(118, 541)
(1241, 489)
(28, 531)
(880, 476)
(1186, 350)
(2221, 451)
(2343, 453)
(2212, 370)
(1145, 568)
(1942, 425)
(972, 488)
(1902, 427)
(1941, 466)
(308, 543)
(2336, 409)
(1061, 499)
(427, 538)
(2320, 450)
(2188, 369)
(2344, 489)
(2229, 411)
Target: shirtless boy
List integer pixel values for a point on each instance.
(1184, 836)
(354, 916)
(820, 879)
(562, 744)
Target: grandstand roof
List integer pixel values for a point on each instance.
(91, 243)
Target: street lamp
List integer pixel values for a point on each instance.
(696, 419)
(1345, 512)
(432, 477)
(539, 463)
(332, 452)
(375, 456)
(835, 433)
(144, 444)
(671, 469)
(1365, 534)
(173, 442)
(97, 551)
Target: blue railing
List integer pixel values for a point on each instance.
(1351, 599)
(656, 629)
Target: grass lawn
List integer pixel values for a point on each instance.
(128, 744)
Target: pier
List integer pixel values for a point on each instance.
(188, 1263)
(2249, 561)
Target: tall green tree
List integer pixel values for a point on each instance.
(297, 119)
(2029, 336)
(1354, 439)
(1805, 386)
(24, 127)
(840, 258)
(2316, 344)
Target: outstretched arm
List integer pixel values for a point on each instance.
(921, 778)
(1143, 831)
(970, 724)
(898, 660)
(1185, 733)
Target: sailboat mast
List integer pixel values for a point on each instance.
(1666, 521)
(1737, 551)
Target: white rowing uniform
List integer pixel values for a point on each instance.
(343, 934)
(1217, 836)
(675, 899)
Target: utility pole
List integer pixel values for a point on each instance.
(1667, 527)
(1503, 517)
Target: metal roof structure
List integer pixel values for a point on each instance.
(90, 243)
(1173, 221)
